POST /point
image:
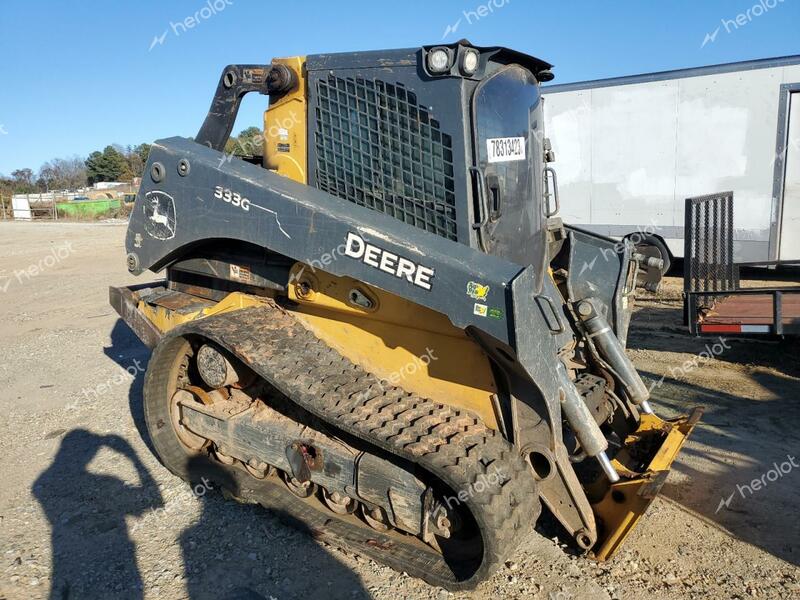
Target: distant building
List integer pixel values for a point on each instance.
(111, 185)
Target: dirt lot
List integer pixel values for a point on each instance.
(82, 491)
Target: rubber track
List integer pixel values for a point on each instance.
(452, 444)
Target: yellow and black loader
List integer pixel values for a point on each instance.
(378, 326)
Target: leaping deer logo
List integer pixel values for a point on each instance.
(157, 217)
(160, 214)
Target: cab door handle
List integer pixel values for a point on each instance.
(494, 198)
(483, 213)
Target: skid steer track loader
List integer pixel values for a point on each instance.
(380, 328)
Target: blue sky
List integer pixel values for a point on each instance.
(80, 75)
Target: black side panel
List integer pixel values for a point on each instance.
(598, 268)
(239, 202)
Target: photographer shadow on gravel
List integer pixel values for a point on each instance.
(92, 553)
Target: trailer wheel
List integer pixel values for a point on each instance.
(651, 245)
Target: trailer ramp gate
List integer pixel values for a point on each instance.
(714, 301)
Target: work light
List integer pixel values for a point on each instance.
(438, 60)
(469, 62)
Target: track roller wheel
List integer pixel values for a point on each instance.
(376, 518)
(258, 469)
(339, 503)
(299, 488)
(223, 457)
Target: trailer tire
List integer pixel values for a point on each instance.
(653, 245)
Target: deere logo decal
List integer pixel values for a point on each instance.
(378, 258)
(477, 291)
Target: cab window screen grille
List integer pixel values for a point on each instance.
(377, 147)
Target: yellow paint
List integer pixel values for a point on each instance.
(166, 319)
(626, 501)
(285, 127)
(403, 343)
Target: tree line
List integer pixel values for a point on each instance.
(113, 163)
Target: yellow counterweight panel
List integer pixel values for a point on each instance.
(166, 319)
(402, 343)
(285, 149)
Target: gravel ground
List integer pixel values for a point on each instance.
(85, 502)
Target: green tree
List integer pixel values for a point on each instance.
(136, 158)
(95, 167)
(127, 172)
(143, 150)
(250, 142)
(108, 165)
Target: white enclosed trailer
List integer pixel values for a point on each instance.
(630, 150)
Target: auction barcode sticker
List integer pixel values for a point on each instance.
(505, 149)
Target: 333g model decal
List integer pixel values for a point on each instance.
(231, 197)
